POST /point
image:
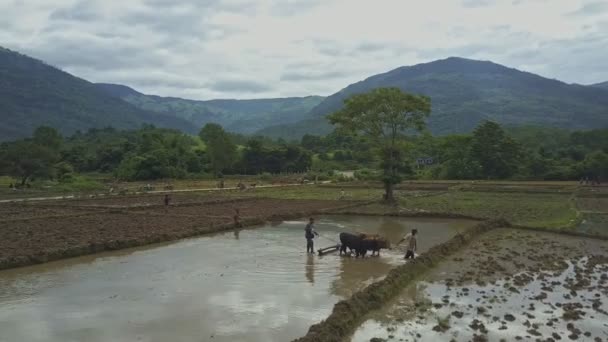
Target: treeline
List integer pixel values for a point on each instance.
(490, 152)
(146, 154)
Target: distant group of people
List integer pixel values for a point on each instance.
(593, 181)
(15, 187)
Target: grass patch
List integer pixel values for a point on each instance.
(594, 224)
(310, 192)
(536, 210)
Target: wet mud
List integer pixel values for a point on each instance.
(241, 285)
(508, 285)
(348, 314)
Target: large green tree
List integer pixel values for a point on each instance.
(35, 157)
(385, 116)
(221, 150)
(497, 154)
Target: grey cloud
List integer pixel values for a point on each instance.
(308, 76)
(370, 47)
(293, 7)
(234, 86)
(476, 3)
(591, 8)
(139, 78)
(571, 60)
(81, 11)
(166, 22)
(241, 6)
(71, 49)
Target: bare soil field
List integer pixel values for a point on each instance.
(12, 212)
(117, 201)
(37, 240)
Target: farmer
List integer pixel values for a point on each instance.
(412, 244)
(310, 235)
(237, 218)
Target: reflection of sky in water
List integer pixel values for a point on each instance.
(261, 286)
(504, 302)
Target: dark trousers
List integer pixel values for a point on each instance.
(309, 246)
(409, 254)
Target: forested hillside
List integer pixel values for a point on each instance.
(466, 92)
(241, 116)
(33, 93)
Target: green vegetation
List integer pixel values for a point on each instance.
(242, 116)
(374, 137)
(382, 116)
(313, 192)
(526, 153)
(221, 151)
(527, 209)
(467, 92)
(146, 154)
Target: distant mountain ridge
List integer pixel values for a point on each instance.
(465, 92)
(241, 116)
(33, 93)
(603, 85)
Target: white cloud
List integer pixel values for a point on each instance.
(267, 48)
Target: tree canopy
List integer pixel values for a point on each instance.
(384, 115)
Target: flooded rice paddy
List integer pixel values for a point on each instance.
(247, 285)
(507, 286)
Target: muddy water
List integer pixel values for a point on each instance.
(508, 285)
(252, 285)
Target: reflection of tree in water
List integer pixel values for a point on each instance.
(357, 273)
(236, 233)
(392, 229)
(310, 268)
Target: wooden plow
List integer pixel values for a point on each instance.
(327, 250)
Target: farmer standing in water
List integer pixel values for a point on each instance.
(310, 235)
(412, 244)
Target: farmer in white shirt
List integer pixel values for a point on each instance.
(411, 244)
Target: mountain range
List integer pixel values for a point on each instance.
(240, 116)
(463, 92)
(603, 85)
(33, 93)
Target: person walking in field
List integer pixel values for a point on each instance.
(310, 233)
(412, 244)
(237, 218)
(167, 201)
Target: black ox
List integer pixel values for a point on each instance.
(361, 243)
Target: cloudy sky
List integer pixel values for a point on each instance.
(204, 49)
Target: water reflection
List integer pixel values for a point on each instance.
(242, 285)
(357, 273)
(310, 268)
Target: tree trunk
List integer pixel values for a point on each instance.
(388, 194)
